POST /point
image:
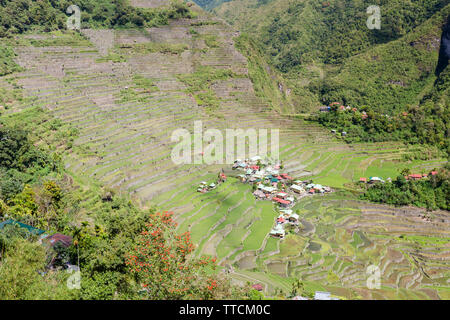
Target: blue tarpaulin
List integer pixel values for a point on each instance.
(31, 229)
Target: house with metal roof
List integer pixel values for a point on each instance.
(293, 218)
(297, 188)
(259, 194)
(281, 219)
(267, 189)
(286, 212)
(277, 232)
(321, 295)
(58, 238)
(282, 195)
(375, 180)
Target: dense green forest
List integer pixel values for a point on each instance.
(326, 51)
(18, 16)
(390, 76)
(297, 32)
(427, 123)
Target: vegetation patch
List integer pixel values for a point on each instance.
(211, 41)
(199, 84)
(432, 193)
(152, 47)
(7, 63)
(28, 15)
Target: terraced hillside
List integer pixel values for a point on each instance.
(126, 91)
(338, 239)
(126, 111)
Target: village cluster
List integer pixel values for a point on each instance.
(280, 188)
(271, 185)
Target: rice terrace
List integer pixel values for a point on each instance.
(106, 101)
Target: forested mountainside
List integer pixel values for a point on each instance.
(323, 52)
(297, 32)
(20, 16)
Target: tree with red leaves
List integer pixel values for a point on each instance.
(164, 266)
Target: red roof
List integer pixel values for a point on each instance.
(433, 173)
(254, 167)
(281, 201)
(257, 287)
(416, 175)
(281, 219)
(285, 176)
(363, 179)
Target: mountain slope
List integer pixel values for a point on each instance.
(392, 75)
(297, 32)
(310, 41)
(323, 52)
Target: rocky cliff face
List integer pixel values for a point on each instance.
(444, 52)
